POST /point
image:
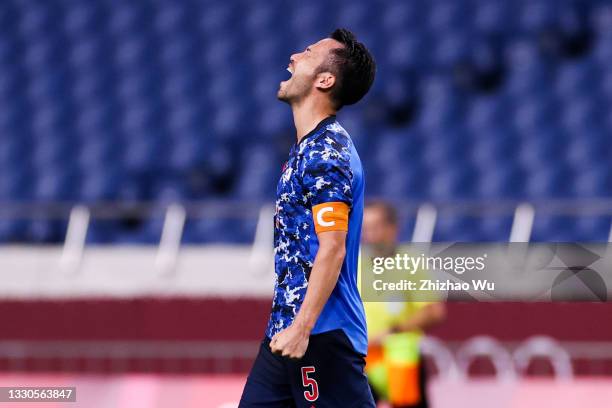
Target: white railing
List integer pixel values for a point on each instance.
(74, 244)
(177, 215)
(170, 242)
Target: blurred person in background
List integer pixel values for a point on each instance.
(395, 327)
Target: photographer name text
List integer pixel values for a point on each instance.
(433, 285)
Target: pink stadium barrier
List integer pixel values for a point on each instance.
(205, 391)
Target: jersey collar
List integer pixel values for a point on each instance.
(323, 123)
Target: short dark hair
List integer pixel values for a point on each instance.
(389, 211)
(353, 66)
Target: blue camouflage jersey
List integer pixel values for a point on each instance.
(323, 167)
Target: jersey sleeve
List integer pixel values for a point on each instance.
(327, 181)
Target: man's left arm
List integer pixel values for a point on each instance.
(293, 341)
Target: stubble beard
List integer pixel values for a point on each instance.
(294, 90)
(281, 95)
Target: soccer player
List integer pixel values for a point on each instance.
(396, 326)
(315, 344)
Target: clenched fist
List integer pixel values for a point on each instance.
(291, 342)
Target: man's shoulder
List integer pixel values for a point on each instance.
(334, 135)
(332, 142)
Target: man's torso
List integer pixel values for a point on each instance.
(323, 168)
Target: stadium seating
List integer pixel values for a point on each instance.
(175, 101)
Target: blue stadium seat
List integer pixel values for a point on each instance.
(502, 182)
(457, 228)
(405, 51)
(399, 16)
(566, 228)
(46, 231)
(12, 230)
(536, 16)
(451, 48)
(207, 230)
(493, 17)
(601, 17)
(171, 101)
(577, 78)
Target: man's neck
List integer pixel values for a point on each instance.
(308, 114)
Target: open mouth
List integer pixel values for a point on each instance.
(289, 69)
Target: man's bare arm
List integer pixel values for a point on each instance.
(323, 277)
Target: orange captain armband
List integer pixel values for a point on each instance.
(332, 216)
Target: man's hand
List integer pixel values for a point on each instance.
(291, 342)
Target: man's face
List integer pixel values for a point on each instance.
(303, 68)
(377, 232)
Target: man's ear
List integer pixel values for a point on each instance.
(325, 80)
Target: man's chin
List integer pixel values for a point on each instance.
(281, 95)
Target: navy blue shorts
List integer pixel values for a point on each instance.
(329, 375)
